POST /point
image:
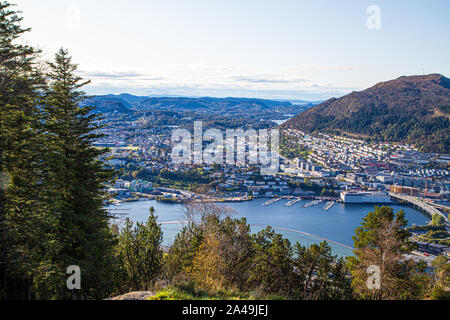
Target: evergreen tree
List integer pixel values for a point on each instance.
(182, 253)
(77, 178)
(381, 241)
(26, 244)
(271, 269)
(320, 275)
(140, 253)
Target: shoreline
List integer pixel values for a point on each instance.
(204, 198)
(335, 224)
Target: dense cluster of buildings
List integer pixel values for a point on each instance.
(360, 166)
(332, 162)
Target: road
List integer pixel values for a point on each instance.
(426, 207)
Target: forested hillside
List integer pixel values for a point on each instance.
(413, 109)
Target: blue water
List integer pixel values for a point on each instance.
(280, 122)
(336, 224)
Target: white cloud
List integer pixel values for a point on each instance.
(296, 82)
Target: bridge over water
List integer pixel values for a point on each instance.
(429, 209)
(439, 206)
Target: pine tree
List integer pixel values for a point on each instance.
(141, 254)
(319, 274)
(25, 247)
(272, 267)
(77, 177)
(381, 241)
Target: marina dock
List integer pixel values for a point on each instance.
(312, 203)
(271, 201)
(292, 202)
(329, 205)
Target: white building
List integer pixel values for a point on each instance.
(365, 197)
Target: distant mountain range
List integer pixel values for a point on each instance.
(126, 103)
(414, 109)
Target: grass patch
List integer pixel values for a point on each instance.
(190, 293)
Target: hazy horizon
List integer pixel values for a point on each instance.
(256, 49)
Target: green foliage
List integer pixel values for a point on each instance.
(51, 212)
(441, 278)
(369, 233)
(217, 255)
(437, 220)
(26, 249)
(76, 178)
(440, 236)
(290, 149)
(272, 263)
(320, 275)
(381, 241)
(140, 254)
(182, 252)
(425, 228)
(309, 186)
(190, 293)
(189, 179)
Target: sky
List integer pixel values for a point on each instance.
(278, 49)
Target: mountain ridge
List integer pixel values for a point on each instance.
(413, 109)
(126, 103)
